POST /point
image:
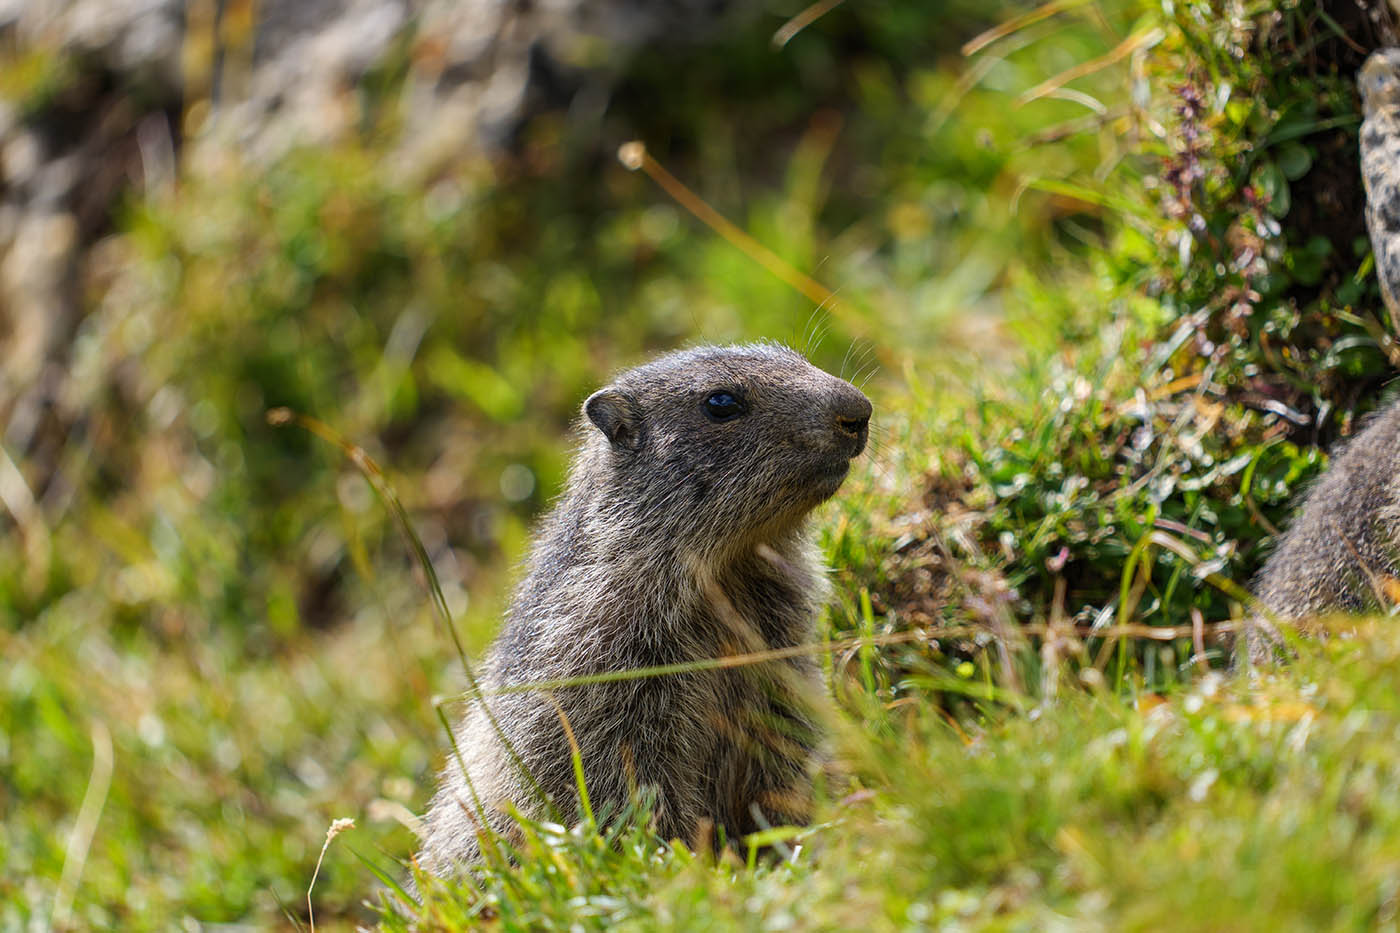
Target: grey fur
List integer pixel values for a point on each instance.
(1346, 538)
(677, 539)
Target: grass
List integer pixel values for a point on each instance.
(1234, 804)
(1115, 333)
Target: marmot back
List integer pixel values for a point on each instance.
(1346, 537)
(681, 536)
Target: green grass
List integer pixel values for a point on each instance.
(1234, 804)
(1080, 307)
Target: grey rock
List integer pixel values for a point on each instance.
(1379, 83)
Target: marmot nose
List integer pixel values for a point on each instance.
(852, 410)
(852, 426)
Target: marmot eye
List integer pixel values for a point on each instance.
(724, 406)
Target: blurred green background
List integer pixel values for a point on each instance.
(1047, 244)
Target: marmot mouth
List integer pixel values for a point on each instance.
(827, 479)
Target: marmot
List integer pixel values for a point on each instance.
(1344, 545)
(681, 536)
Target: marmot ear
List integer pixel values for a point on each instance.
(617, 416)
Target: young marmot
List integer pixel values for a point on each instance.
(681, 536)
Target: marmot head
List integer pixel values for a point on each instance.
(718, 444)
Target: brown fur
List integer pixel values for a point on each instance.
(678, 538)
